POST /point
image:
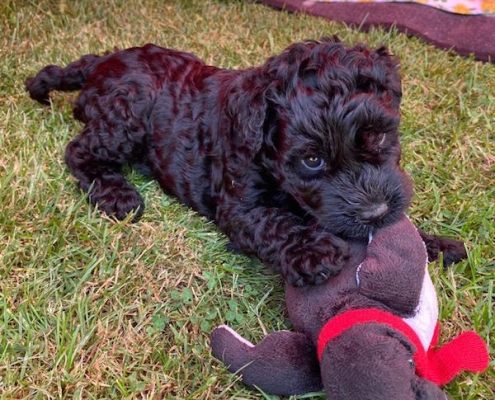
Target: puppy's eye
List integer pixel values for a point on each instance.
(313, 163)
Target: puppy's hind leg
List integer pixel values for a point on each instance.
(453, 250)
(96, 158)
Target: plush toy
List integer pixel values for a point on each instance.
(367, 334)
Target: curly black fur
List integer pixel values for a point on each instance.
(288, 158)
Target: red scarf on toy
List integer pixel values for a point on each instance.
(466, 352)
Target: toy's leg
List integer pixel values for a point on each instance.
(283, 363)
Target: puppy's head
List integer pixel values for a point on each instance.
(331, 135)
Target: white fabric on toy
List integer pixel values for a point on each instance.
(426, 315)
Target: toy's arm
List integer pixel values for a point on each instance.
(283, 363)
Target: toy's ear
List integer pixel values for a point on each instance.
(426, 390)
(283, 363)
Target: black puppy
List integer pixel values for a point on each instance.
(287, 158)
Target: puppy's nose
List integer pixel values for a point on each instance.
(374, 212)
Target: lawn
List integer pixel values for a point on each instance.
(91, 308)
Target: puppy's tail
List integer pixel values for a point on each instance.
(53, 77)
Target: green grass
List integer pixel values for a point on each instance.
(94, 309)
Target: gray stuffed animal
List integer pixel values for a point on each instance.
(367, 334)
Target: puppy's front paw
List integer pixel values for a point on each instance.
(117, 200)
(315, 260)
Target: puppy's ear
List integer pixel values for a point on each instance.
(391, 79)
(247, 117)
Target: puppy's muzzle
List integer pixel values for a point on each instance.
(362, 199)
